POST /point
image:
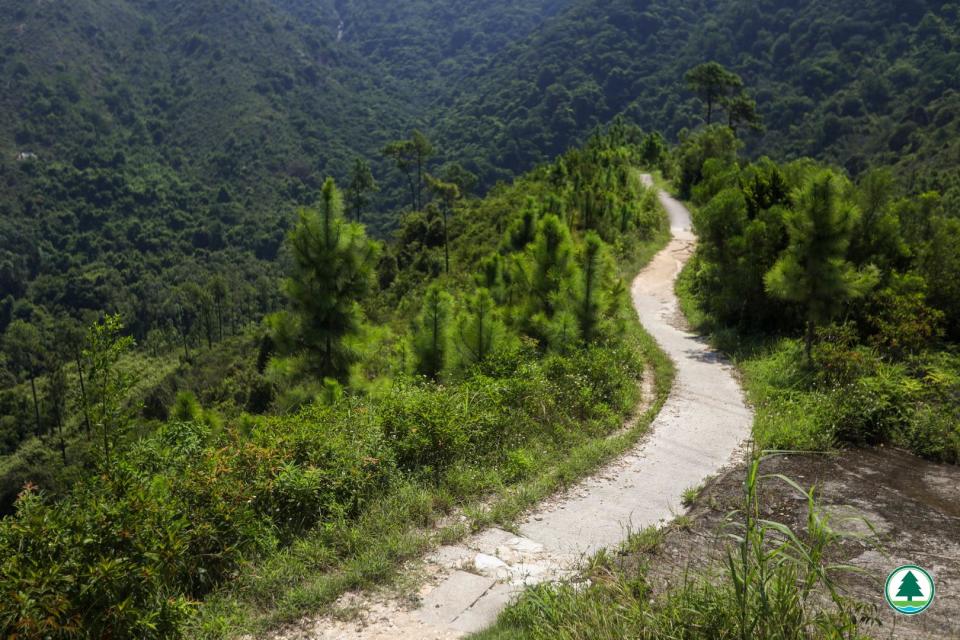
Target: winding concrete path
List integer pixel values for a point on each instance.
(700, 429)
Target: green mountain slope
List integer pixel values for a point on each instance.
(152, 143)
(426, 45)
(850, 82)
(151, 146)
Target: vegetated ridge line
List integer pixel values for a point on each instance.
(700, 428)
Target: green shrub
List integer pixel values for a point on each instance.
(519, 464)
(428, 430)
(93, 566)
(934, 433)
(874, 408)
(839, 358)
(323, 462)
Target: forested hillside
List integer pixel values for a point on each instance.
(467, 373)
(285, 282)
(156, 143)
(153, 151)
(424, 44)
(853, 83)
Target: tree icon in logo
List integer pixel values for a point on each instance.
(909, 587)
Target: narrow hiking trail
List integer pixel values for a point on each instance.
(699, 430)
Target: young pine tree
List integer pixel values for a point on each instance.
(597, 280)
(479, 329)
(563, 332)
(333, 265)
(653, 151)
(553, 267)
(362, 184)
(552, 277)
(813, 271)
(492, 276)
(402, 154)
(431, 336)
(448, 193)
(523, 230)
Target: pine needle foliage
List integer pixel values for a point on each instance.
(333, 263)
(431, 335)
(480, 329)
(813, 271)
(594, 300)
(553, 271)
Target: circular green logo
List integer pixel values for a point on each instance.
(909, 589)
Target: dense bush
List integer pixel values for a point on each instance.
(95, 566)
(124, 557)
(866, 378)
(855, 397)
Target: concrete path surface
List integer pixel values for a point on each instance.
(699, 430)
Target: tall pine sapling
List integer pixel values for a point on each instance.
(523, 230)
(479, 329)
(448, 193)
(653, 150)
(563, 332)
(593, 293)
(553, 267)
(361, 185)
(431, 337)
(813, 271)
(401, 152)
(549, 278)
(492, 276)
(333, 265)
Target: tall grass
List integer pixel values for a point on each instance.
(781, 581)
